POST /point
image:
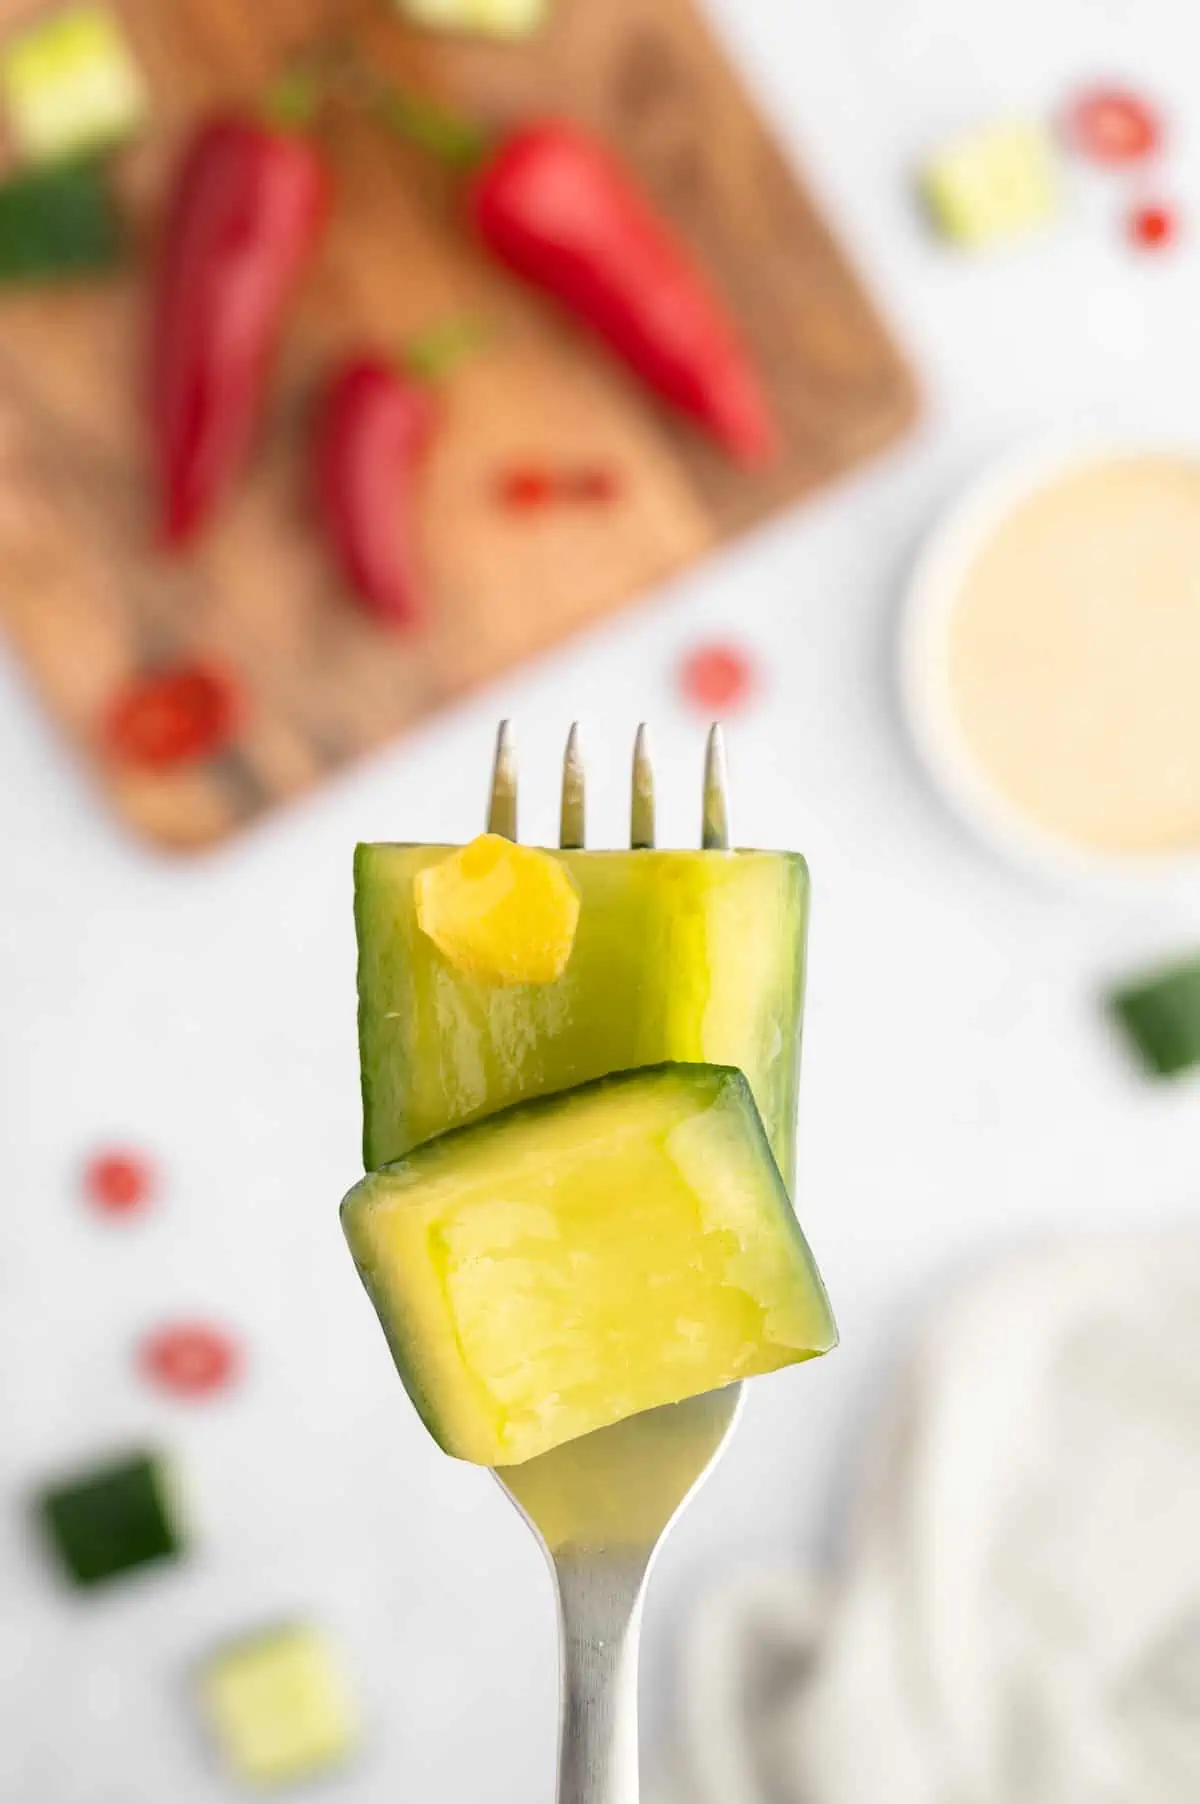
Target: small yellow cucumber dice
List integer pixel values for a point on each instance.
(279, 1705)
(993, 184)
(70, 84)
(501, 913)
(576, 1260)
(498, 18)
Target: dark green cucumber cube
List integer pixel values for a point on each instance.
(1161, 1016)
(112, 1519)
(58, 224)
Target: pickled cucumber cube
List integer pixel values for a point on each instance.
(676, 956)
(1161, 1016)
(576, 1260)
(58, 224)
(279, 1705)
(70, 84)
(498, 18)
(112, 1518)
(499, 912)
(993, 184)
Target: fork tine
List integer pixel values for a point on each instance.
(641, 815)
(714, 835)
(572, 830)
(502, 806)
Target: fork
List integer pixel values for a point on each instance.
(601, 1506)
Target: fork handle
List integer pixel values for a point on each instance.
(600, 1607)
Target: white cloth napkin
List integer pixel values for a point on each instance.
(1019, 1617)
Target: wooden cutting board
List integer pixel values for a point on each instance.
(88, 604)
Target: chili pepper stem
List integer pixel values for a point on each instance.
(435, 352)
(294, 98)
(457, 142)
(454, 140)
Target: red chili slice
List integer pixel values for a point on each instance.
(527, 487)
(173, 716)
(1114, 126)
(1153, 228)
(118, 1183)
(717, 676)
(189, 1359)
(590, 482)
(524, 488)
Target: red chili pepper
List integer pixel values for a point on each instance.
(244, 214)
(373, 430)
(558, 208)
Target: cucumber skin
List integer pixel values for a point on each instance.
(785, 1075)
(58, 224)
(405, 1348)
(1161, 1016)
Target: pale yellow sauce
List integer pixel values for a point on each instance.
(1075, 655)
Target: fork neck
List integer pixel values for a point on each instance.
(600, 1606)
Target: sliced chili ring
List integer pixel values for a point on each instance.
(1114, 126)
(118, 1182)
(1153, 227)
(717, 676)
(173, 716)
(189, 1359)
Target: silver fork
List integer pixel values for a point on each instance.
(601, 1506)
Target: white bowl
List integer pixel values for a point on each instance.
(934, 591)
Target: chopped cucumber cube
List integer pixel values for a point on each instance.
(70, 84)
(994, 184)
(498, 18)
(579, 1259)
(279, 1705)
(499, 912)
(1161, 1017)
(57, 224)
(677, 955)
(112, 1519)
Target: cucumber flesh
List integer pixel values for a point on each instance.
(576, 1260)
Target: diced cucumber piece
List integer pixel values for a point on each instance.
(57, 223)
(279, 1705)
(498, 18)
(499, 912)
(1161, 1016)
(70, 84)
(112, 1519)
(578, 1259)
(995, 183)
(691, 956)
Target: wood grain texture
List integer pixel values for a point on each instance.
(88, 603)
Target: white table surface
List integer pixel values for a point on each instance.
(960, 1090)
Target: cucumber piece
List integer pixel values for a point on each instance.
(279, 1705)
(57, 223)
(576, 1260)
(686, 956)
(497, 18)
(1161, 1016)
(500, 912)
(70, 84)
(112, 1519)
(993, 184)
